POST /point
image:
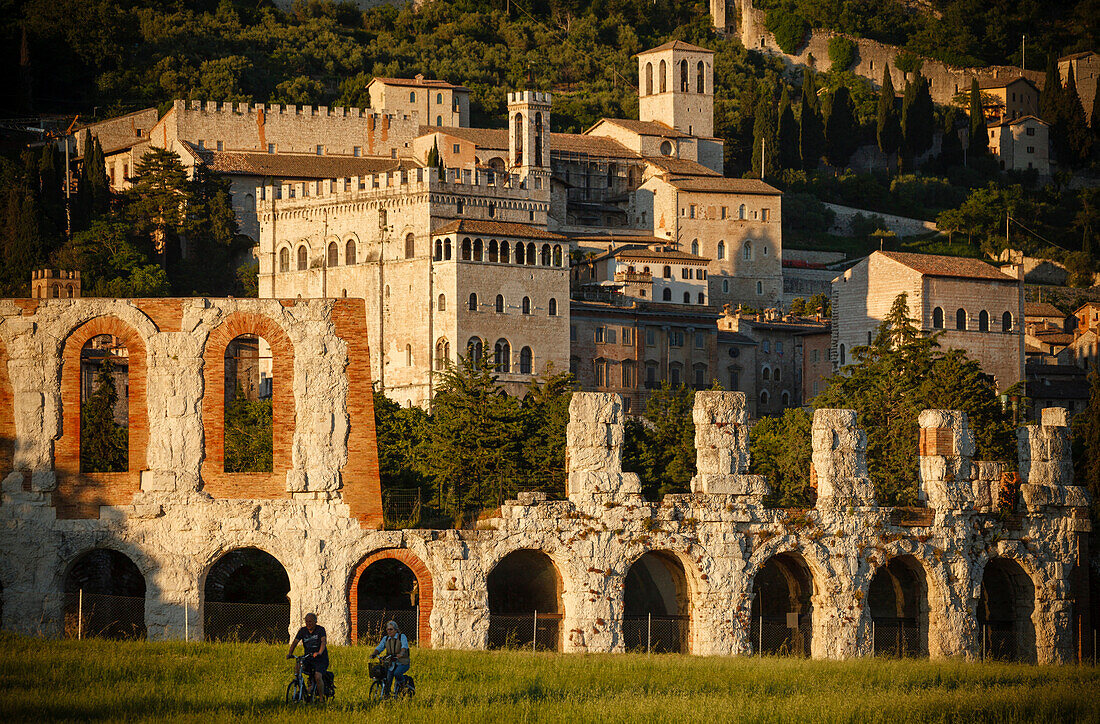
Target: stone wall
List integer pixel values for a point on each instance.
(719, 538)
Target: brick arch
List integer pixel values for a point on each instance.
(423, 581)
(7, 415)
(79, 494)
(215, 480)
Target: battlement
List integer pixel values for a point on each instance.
(269, 109)
(533, 98)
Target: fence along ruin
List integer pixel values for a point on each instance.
(711, 572)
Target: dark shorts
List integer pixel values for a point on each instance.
(315, 664)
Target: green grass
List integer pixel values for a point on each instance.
(101, 681)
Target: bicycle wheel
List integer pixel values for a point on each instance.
(294, 691)
(375, 693)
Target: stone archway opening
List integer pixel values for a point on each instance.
(104, 596)
(246, 598)
(656, 605)
(1006, 604)
(781, 620)
(525, 606)
(898, 600)
(386, 590)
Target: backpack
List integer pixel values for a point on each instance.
(330, 683)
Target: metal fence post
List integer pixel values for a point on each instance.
(985, 635)
(872, 637)
(649, 633)
(80, 615)
(534, 630)
(186, 632)
(760, 636)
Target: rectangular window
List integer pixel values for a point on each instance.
(271, 148)
(599, 334)
(650, 336)
(221, 146)
(611, 335)
(1031, 149)
(676, 339)
(357, 151)
(202, 145)
(628, 336)
(765, 214)
(685, 273)
(814, 356)
(320, 150)
(700, 340)
(572, 333)
(766, 346)
(723, 212)
(601, 374)
(779, 347)
(1030, 131)
(457, 148)
(628, 375)
(691, 211)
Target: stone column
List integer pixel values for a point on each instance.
(946, 448)
(594, 450)
(722, 448)
(840, 461)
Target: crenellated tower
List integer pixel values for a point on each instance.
(529, 138)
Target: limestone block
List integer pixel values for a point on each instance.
(584, 483)
(148, 510)
(717, 461)
(601, 407)
(13, 483)
(296, 481)
(747, 485)
(1054, 417)
(322, 479)
(43, 481)
(715, 406)
(595, 458)
(1036, 497)
(158, 481)
(1042, 472)
(844, 492)
(593, 434)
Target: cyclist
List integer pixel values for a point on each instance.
(315, 643)
(396, 646)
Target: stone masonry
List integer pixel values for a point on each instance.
(174, 514)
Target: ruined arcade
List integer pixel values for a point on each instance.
(834, 579)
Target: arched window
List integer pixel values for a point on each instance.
(778, 374)
(725, 286)
(525, 358)
(493, 254)
(786, 398)
(766, 374)
(446, 249)
(410, 246)
(504, 252)
(438, 99)
(684, 86)
(69, 291)
(759, 288)
(439, 120)
(1006, 322)
(649, 79)
(439, 250)
(695, 247)
(303, 258)
(937, 318)
(349, 252)
(702, 298)
(502, 356)
(721, 250)
(500, 304)
(667, 272)
(530, 254)
(661, 73)
(552, 307)
(467, 249)
(333, 254)
(746, 252)
(741, 212)
(544, 256)
(687, 297)
(408, 355)
(412, 97)
(843, 357)
(284, 259)
(983, 321)
(763, 397)
(537, 159)
(477, 250)
(442, 353)
(249, 443)
(960, 318)
(442, 306)
(527, 305)
(700, 78)
(474, 349)
(666, 295)
(557, 255)
(473, 302)
(518, 121)
(104, 405)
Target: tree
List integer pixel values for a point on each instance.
(1050, 99)
(842, 52)
(543, 417)
(917, 113)
(798, 307)
(103, 442)
(888, 124)
(841, 129)
(248, 434)
(978, 144)
(789, 156)
(1075, 137)
(661, 448)
(780, 449)
(1086, 444)
(765, 137)
(820, 305)
(811, 130)
(210, 227)
(400, 432)
(951, 150)
(158, 199)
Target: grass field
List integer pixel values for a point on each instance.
(102, 681)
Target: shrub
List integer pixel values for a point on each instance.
(789, 28)
(908, 62)
(842, 53)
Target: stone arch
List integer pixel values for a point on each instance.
(898, 603)
(782, 609)
(659, 588)
(265, 485)
(79, 494)
(1006, 610)
(104, 595)
(234, 585)
(425, 590)
(524, 591)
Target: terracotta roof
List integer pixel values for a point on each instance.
(1053, 337)
(638, 251)
(681, 166)
(497, 228)
(590, 145)
(735, 338)
(677, 45)
(1086, 304)
(642, 128)
(934, 265)
(987, 83)
(723, 185)
(1075, 56)
(1042, 309)
(299, 165)
(418, 83)
(620, 238)
(1014, 121)
(490, 138)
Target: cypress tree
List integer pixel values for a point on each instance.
(1050, 100)
(765, 136)
(841, 130)
(811, 131)
(1075, 136)
(1094, 118)
(951, 150)
(96, 164)
(888, 125)
(917, 118)
(1086, 443)
(103, 441)
(789, 156)
(979, 133)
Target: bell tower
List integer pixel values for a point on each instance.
(676, 87)
(529, 138)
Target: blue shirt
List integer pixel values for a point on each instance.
(399, 642)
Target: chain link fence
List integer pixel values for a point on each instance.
(781, 636)
(101, 615)
(371, 624)
(401, 509)
(999, 641)
(896, 638)
(656, 634)
(535, 631)
(246, 622)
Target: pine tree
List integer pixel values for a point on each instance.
(158, 199)
(841, 129)
(1075, 135)
(1086, 444)
(811, 130)
(765, 136)
(979, 133)
(661, 450)
(103, 441)
(789, 156)
(888, 124)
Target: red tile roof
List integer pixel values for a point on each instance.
(677, 45)
(642, 128)
(723, 185)
(419, 83)
(497, 228)
(934, 265)
(299, 165)
(644, 252)
(680, 166)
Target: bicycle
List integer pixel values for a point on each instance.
(300, 688)
(403, 688)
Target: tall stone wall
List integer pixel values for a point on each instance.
(718, 539)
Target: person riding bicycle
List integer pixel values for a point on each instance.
(315, 643)
(396, 648)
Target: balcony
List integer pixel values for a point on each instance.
(634, 277)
